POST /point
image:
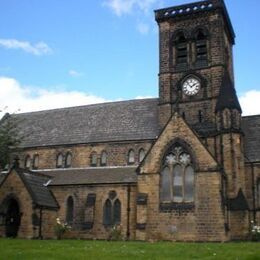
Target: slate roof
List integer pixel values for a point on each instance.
(35, 184)
(92, 176)
(115, 121)
(2, 177)
(227, 95)
(251, 129)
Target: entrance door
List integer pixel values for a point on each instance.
(13, 217)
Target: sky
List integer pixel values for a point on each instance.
(58, 53)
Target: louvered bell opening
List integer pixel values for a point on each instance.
(201, 47)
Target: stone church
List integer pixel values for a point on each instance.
(183, 167)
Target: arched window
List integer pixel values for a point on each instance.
(27, 162)
(70, 210)
(107, 213)
(36, 161)
(112, 212)
(181, 49)
(131, 157)
(177, 176)
(103, 158)
(141, 155)
(93, 159)
(68, 160)
(201, 45)
(117, 212)
(59, 160)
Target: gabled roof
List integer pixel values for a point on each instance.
(92, 176)
(116, 121)
(251, 129)
(35, 183)
(227, 96)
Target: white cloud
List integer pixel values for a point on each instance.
(143, 97)
(75, 74)
(120, 7)
(17, 98)
(250, 102)
(38, 49)
(143, 28)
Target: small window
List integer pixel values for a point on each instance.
(183, 115)
(201, 46)
(200, 116)
(93, 159)
(131, 157)
(103, 158)
(141, 155)
(59, 162)
(27, 162)
(36, 161)
(68, 160)
(70, 210)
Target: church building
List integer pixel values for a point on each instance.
(181, 167)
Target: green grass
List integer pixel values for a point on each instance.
(79, 249)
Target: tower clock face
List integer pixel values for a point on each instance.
(191, 86)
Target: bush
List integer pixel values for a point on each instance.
(255, 231)
(116, 233)
(60, 228)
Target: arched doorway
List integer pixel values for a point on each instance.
(12, 218)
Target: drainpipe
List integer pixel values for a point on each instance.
(40, 226)
(253, 188)
(128, 212)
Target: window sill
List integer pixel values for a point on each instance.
(170, 206)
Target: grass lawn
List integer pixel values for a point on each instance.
(79, 249)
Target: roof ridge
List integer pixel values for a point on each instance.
(87, 105)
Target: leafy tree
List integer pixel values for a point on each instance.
(9, 139)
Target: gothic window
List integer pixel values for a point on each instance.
(107, 216)
(177, 176)
(131, 157)
(181, 49)
(70, 210)
(36, 161)
(27, 162)
(112, 212)
(59, 161)
(141, 155)
(117, 212)
(103, 158)
(201, 46)
(68, 160)
(93, 159)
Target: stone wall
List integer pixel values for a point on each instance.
(81, 154)
(80, 194)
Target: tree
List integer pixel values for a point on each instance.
(9, 139)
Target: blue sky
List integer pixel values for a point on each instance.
(53, 51)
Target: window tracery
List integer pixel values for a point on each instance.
(177, 177)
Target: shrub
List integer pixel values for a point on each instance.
(60, 228)
(255, 231)
(116, 233)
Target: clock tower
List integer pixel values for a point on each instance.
(196, 80)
